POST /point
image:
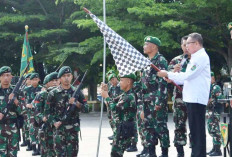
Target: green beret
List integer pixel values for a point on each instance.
(64, 70)
(131, 76)
(111, 76)
(5, 69)
(46, 79)
(153, 40)
(229, 26)
(212, 73)
(34, 75)
(53, 76)
(110, 72)
(28, 75)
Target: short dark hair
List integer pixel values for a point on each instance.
(197, 37)
(183, 38)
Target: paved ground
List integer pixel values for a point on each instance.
(90, 130)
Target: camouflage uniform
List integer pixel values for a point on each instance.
(66, 141)
(213, 112)
(179, 107)
(113, 93)
(125, 115)
(25, 129)
(9, 135)
(45, 134)
(26, 122)
(154, 91)
(30, 93)
(140, 122)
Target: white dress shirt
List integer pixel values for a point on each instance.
(196, 79)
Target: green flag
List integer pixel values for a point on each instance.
(26, 55)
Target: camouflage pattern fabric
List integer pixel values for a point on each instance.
(125, 113)
(113, 93)
(30, 96)
(213, 114)
(140, 122)
(179, 107)
(154, 91)
(66, 142)
(45, 134)
(9, 135)
(26, 122)
(214, 129)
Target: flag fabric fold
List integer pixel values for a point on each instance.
(26, 55)
(127, 58)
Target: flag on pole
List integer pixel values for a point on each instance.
(127, 58)
(26, 55)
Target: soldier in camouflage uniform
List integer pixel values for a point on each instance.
(30, 93)
(155, 109)
(9, 135)
(45, 132)
(125, 114)
(177, 64)
(113, 91)
(65, 121)
(25, 129)
(213, 117)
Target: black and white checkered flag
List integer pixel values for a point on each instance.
(127, 58)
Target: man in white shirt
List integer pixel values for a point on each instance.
(196, 81)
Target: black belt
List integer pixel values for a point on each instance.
(72, 121)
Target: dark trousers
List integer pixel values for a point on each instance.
(196, 118)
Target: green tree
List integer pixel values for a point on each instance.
(60, 29)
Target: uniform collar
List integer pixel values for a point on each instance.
(198, 52)
(60, 89)
(129, 91)
(6, 88)
(156, 55)
(34, 87)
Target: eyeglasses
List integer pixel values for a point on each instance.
(187, 43)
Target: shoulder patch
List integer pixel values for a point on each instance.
(193, 67)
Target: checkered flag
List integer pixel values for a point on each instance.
(127, 58)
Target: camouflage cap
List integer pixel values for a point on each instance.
(28, 75)
(64, 70)
(111, 76)
(229, 26)
(131, 76)
(34, 75)
(212, 73)
(153, 40)
(5, 69)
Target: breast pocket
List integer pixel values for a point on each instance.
(1, 100)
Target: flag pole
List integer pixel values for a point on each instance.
(104, 72)
(173, 83)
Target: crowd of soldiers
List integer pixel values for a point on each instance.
(51, 114)
(141, 105)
